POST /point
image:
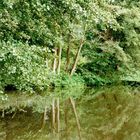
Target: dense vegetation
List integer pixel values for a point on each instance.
(48, 43)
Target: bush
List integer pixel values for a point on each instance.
(22, 66)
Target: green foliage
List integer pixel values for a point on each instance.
(103, 67)
(31, 30)
(65, 81)
(22, 66)
(113, 53)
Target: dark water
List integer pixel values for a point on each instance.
(105, 114)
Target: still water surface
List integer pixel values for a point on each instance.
(104, 114)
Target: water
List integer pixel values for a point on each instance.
(104, 114)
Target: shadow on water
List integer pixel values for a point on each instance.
(103, 114)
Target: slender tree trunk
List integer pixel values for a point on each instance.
(66, 118)
(55, 60)
(76, 117)
(59, 60)
(53, 114)
(68, 59)
(44, 118)
(76, 58)
(58, 116)
(68, 55)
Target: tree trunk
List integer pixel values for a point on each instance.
(76, 58)
(76, 117)
(68, 58)
(53, 114)
(68, 55)
(55, 60)
(44, 118)
(58, 116)
(59, 60)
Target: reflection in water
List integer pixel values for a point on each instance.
(110, 114)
